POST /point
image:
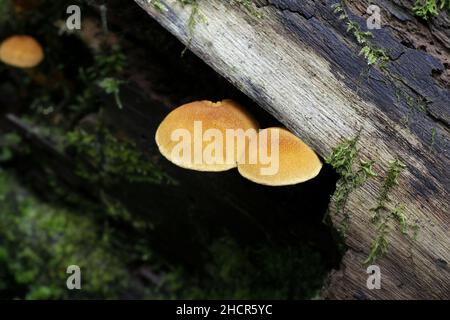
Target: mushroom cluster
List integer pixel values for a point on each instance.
(21, 51)
(192, 137)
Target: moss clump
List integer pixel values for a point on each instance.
(40, 241)
(249, 6)
(343, 159)
(105, 72)
(111, 161)
(158, 5)
(414, 105)
(394, 170)
(112, 86)
(383, 214)
(7, 143)
(380, 244)
(433, 136)
(371, 53)
(430, 8)
(194, 18)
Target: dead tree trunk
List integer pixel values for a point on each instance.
(300, 63)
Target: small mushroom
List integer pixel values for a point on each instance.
(201, 125)
(21, 51)
(296, 162)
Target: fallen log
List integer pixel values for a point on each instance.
(298, 61)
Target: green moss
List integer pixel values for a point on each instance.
(248, 6)
(40, 241)
(394, 170)
(195, 17)
(378, 56)
(110, 161)
(158, 5)
(353, 174)
(117, 211)
(371, 53)
(433, 136)
(105, 72)
(112, 86)
(380, 244)
(406, 228)
(106, 64)
(104, 206)
(414, 105)
(384, 214)
(8, 142)
(430, 8)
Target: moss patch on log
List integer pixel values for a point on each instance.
(384, 213)
(373, 55)
(430, 8)
(353, 175)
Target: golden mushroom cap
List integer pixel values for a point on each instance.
(297, 162)
(21, 51)
(221, 116)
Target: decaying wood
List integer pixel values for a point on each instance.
(299, 63)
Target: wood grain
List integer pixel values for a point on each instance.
(299, 63)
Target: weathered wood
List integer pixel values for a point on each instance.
(299, 63)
